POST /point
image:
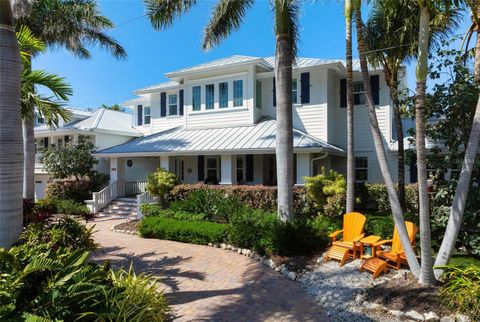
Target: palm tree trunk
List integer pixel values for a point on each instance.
(426, 269)
(350, 123)
(455, 219)
(401, 148)
(380, 150)
(476, 69)
(283, 87)
(29, 158)
(11, 152)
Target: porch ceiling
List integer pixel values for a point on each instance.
(258, 138)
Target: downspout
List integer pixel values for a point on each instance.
(316, 159)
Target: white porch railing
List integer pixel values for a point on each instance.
(102, 198)
(142, 198)
(135, 187)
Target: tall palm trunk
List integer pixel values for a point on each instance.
(11, 153)
(426, 270)
(393, 87)
(29, 158)
(455, 219)
(283, 87)
(379, 148)
(350, 103)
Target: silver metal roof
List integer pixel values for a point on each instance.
(164, 85)
(302, 62)
(259, 137)
(102, 120)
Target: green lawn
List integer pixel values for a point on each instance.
(463, 259)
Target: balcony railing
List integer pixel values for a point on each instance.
(135, 187)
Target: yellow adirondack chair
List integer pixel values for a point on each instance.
(352, 232)
(396, 255)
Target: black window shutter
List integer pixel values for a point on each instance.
(375, 84)
(201, 167)
(181, 102)
(163, 104)
(139, 115)
(343, 92)
(249, 170)
(45, 142)
(305, 88)
(274, 93)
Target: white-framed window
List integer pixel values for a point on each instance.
(60, 142)
(361, 169)
(146, 115)
(212, 169)
(172, 104)
(240, 168)
(358, 93)
(180, 168)
(223, 94)
(196, 98)
(258, 94)
(209, 96)
(294, 91)
(238, 93)
(40, 119)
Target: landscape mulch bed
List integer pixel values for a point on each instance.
(130, 225)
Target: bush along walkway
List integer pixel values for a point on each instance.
(206, 283)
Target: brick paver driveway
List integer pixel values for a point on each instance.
(208, 284)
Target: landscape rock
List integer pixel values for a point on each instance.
(291, 276)
(239, 250)
(210, 244)
(450, 318)
(462, 318)
(229, 246)
(284, 270)
(396, 313)
(359, 299)
(223, 246)
(414, 315)
(431, 316)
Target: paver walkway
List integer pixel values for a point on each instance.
(208, 284)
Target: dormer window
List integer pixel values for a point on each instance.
(209, 96)
(223, 94)
(196, 98)
(146, 116)
(294, 91)
(172, 104)
(238, 93)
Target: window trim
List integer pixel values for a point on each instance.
(258, 94)
(234, 98)
(295, 97)
(199, 98)
(243, 168)
(358, 168)
(147, 115)
(209, 92)
(172, 104)
(360, 93)
(220, 95)
(217, 167)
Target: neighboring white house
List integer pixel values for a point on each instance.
(215, 122)
(104, 128)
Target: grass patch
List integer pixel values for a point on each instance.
(464, 259)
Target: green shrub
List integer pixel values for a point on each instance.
(71, 208)
(155, 210)
(216, 205)
(323, 186)
(257, 197)
(248, 228)
(76, 190)
(382, 226)
(298, 237)
(182, 230)
(99, 180)
(335, 206)
(376, 198)
(160, 183)
(461, 289)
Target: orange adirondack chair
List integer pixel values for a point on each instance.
(396, 255)
(352, 232)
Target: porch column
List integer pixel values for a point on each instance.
(117, 173)
(165, 162)
(226, 169)
(303, 167)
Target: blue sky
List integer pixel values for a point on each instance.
(105, 80)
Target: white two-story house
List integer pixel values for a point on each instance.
(215, 123)
(104, 128)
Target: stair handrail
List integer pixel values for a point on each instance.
(145, 197)
(102, 198)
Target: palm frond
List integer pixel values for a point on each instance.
(227, 16)
(54, 83)
(162, 13)
(28, 43)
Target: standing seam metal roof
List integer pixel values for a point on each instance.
(260, 136)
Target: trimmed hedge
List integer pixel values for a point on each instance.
(257, 197)
(76, 190)
(196, 232)
(156, 210)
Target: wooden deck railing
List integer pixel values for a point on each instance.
(102, 198)
(135, 187)
(142, 198)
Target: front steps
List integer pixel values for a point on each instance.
(120, 207)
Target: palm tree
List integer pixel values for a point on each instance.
(73, 25)
(455, 219)
(379, 148)
(50, 108)
(114, 107)
(11, 154)
(350, 105)
(391, 40)
(227, 16)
